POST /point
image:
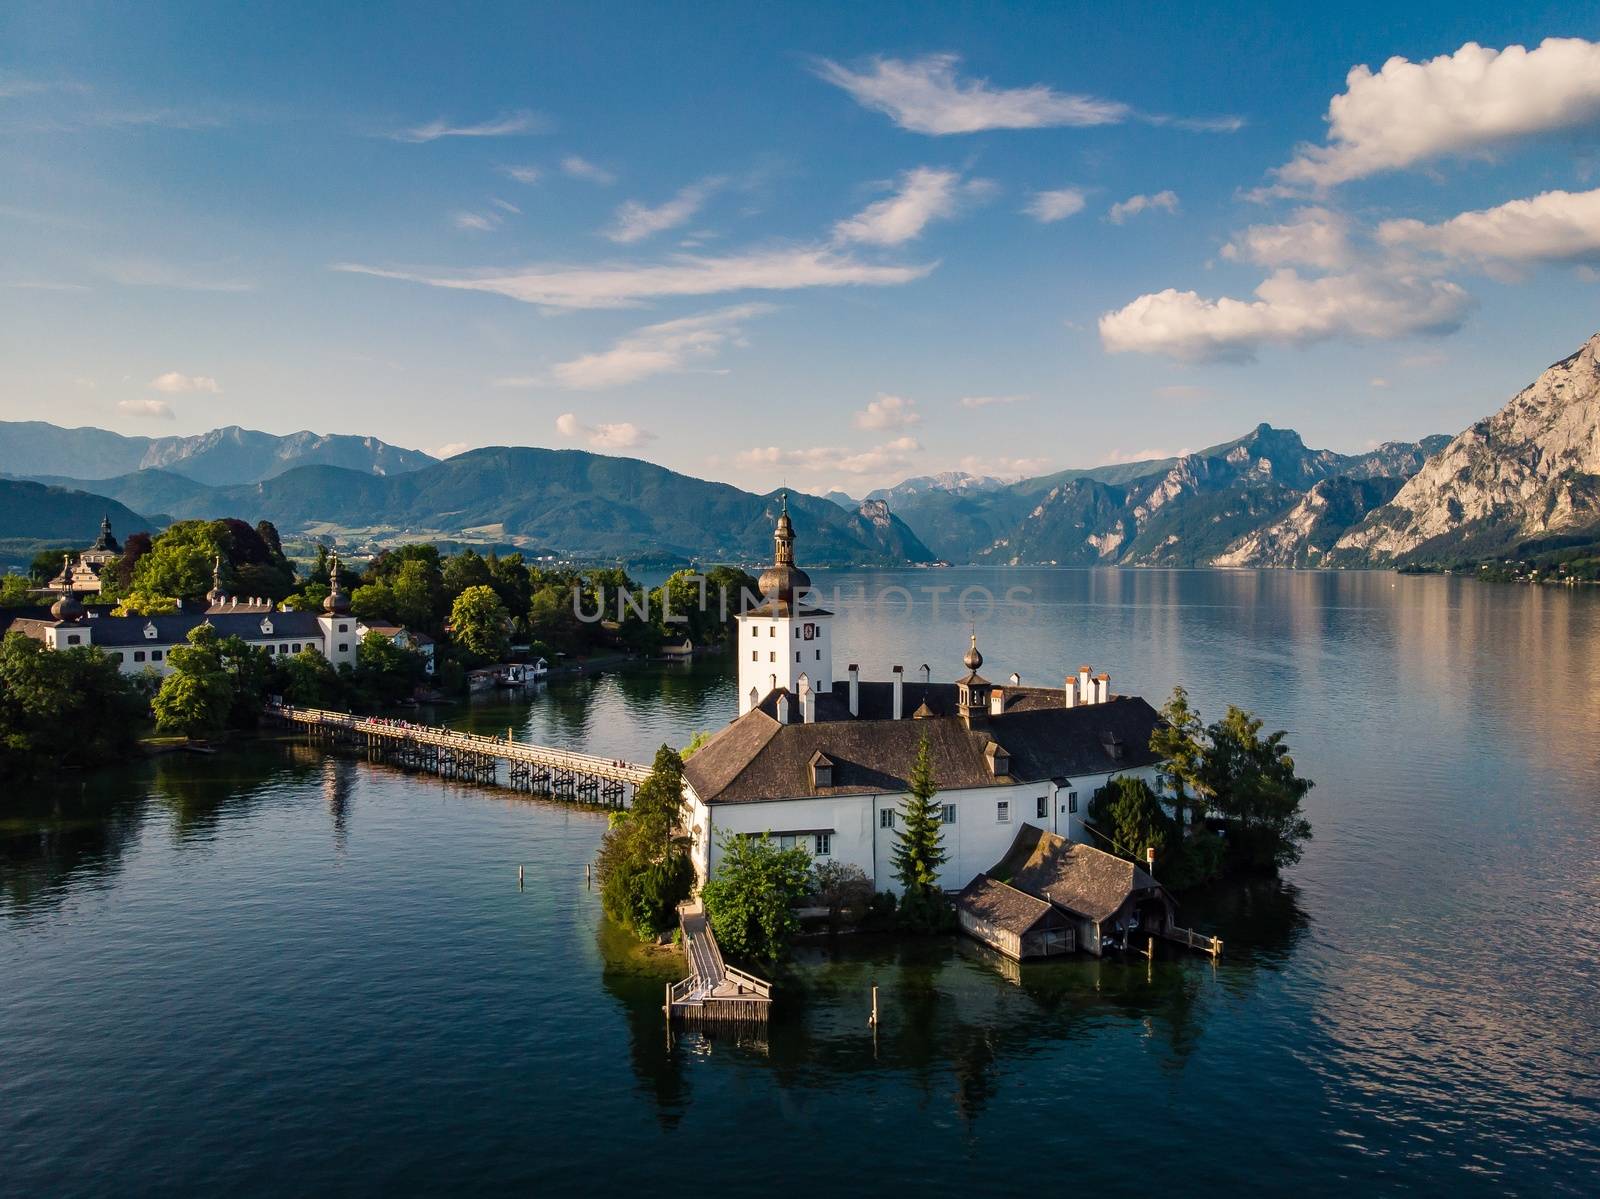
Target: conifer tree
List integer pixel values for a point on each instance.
(919, 849)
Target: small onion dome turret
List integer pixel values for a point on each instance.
(973, 658)
(215, 595)
(783, 580)
(337, 603)
(68, 607)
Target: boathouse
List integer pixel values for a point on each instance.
(1107, 898)
(1012, 921)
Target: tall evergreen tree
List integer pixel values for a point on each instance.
(1179, 742)
(919, 847)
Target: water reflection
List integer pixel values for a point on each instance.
(57, 838)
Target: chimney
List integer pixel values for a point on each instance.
(1102, 689)
(899, 692)
(855, 690)
(1085, 688)
(783, 708)
(808, 701)
(997, 701)
(1069, 691)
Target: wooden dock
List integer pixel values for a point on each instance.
(560, 773)
(714, 992)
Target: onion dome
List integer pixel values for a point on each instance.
(783, 580)
(973, 658)
(337, 603)
(68, 607)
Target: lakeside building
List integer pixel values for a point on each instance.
(825, 763)
(142, 644)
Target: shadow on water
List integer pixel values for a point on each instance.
(636, 977)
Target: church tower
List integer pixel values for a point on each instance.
(783, 639)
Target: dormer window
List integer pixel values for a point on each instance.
(999, 760)
(266, 626)
(821, 771)
(150, 633)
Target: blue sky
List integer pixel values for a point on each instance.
(827, 245)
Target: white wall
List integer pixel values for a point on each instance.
(778, 646)
(974, 843)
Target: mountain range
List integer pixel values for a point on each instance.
(1529, 475)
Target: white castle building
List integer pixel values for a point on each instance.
(142, 644)
(825, 763)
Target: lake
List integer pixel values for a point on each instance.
(272, 971)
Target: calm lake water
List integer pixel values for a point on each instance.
(274, 972)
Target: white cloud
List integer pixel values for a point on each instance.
(625, 285)
(926, 96)
(1005, 468)
(523, 174)
(176, 382)
(1316, 237)
(1556, 226)
(506, 125)
(989, 401)
(153, 409)
(1287, 310)
(888, 412)
(505, 205)
(636, 221)
(890, 454)
(1056, 205)
(1134, 205)
(450, 449)
(657, 349)
(925, 194)
(1457, 103)
(1121, 457)
(621, 435)
(582, 168)
(477, 222)
(1378, 382)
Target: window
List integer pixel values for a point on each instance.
(269, 649)
(155, 655)
(119, 656)
(1002, 812)
(886, 818)
(797, 633)
(772, 630)
(283, 649)
(1044, 807)
(138, 655)
(344, 628)
(772, 656)
(73, 638)
(947, 814)
(819, 655)
(824, 844)
(797, 655)
(298, 647)
(344, 647)
(786, 840)
(1072, 801)
(755, 656)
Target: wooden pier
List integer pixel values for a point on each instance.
(714, 992)
(560, 773)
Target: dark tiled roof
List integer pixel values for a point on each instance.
(757, 758)
(1071, 875)
(113, 631)
(1002, 906)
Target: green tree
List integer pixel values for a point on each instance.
(419, 593)
(643, 864)
(750, 901)
(1256, 788)
(919, 850)
(251, 676)
(310, 681)
(1179, 741)
(373, 602)
(63, 708)
(196, 697)
(385, 672)
(478, 624)
(180, 562)
(15, 592)
(1129, 818)
(463, 571)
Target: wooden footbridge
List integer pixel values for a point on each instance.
(580, 778)
(714, 992)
